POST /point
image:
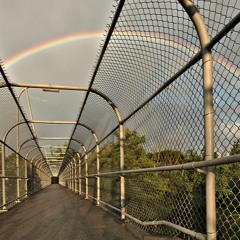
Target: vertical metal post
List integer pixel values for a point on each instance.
(18, 180)
(17, 160)
(30, 109)
(77, 173)
(18, 146)
(86, 174)
(3, 179)
(98, 178)
(70, 181)
(71, 176)
(75, 176)
(80, 175)
(33, 176)
(73, 173)
(73, 180)
(122, 179)
(25, 180)
(37, 179)
(208, 115)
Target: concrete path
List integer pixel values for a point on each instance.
(56, 213)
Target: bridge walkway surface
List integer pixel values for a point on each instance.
(57, 213)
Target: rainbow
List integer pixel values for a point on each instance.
(186, 48)
(50, 44)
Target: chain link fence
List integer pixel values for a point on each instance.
(19, 176)
(150, 68)
(144, 122)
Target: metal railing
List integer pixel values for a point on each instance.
(172, 70)
(157, 139)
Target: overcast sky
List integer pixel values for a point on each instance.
(29, 23)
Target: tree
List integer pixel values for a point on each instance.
(228, 197)
(235, 148)
(134, 157)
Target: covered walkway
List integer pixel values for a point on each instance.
(57, 213)
(150, 129)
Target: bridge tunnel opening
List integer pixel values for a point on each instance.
(55, 180)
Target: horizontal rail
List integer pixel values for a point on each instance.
(192, 233)
(197, 235)
(185, 166)
(12, 201)
(14, 177)
(49, 86)
(23, 157)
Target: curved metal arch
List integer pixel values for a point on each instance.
(109, 101)
(32, 163)
(80, 143)
(207, 68)
(41, 164)
(12, 127)
(69, 156)
(31, 139)
(73, 88)
(31, 151)
(80, 124)
(44, 146)
(33, 158)
(39, 159)
(68, 122)
(26, 141)
(67, 164)
(114, 107)
(48, 122)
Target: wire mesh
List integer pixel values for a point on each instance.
(226, 91)
(11, 190)
(99, 115)
(15, 142)
(217, 14)
(110, 192)
(171, 196)
(163, 120)
(228, 201)
(151, 42)
(109, 154)
(92, 169)
(85, 136)
(173, 120)
(7, 111)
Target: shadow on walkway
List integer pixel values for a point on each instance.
(55, 213)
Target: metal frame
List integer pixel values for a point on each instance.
(110, 102)
(69, 165)
(204, 38)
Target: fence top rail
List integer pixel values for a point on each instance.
(186, 166)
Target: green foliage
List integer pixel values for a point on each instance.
(235, 148)
(160, 195)
(10, 165)
(134, 154)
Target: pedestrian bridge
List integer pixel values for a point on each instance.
(155, 149)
